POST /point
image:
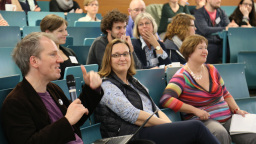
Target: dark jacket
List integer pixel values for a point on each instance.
(111, 124)
(205, 27)
(175, 56)
(67, 63)
(54, 7)
(142, 55)
(26, 120)
(25, 5)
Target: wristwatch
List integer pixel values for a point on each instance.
(158, 47)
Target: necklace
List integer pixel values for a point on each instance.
(196, 76)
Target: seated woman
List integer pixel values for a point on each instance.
(150, 51)
(181, 27)
(29, 5)
(198, 91)
(169, 10)
(91, 7)
(58, 27)
(244, 15)
(67, 6)
(126, 104)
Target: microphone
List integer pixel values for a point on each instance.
(71, 86)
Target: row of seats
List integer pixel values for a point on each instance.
(16, 18)
(233, 75)
(11, 35)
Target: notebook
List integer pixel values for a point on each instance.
(122, 139)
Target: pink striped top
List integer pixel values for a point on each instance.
(182, 88)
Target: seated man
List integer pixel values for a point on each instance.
(113, 25)
(37, 111)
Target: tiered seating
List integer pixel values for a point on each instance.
(91, 133)
(87, 24)
(228, 9)
(81, 53)
(44, 5)
(34, 16)
(72, 17)
(88, 41)
(29, 29)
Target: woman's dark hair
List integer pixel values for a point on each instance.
(237, 15)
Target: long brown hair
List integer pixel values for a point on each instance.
(106, 68)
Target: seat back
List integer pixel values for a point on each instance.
(7, 65)
(249, 58)
(81, 53)
(77, 72)
(72, 17)
(9, 36)
(3, 94)
(29, 29)
(241, 39)
(63, 85)
(170, 72)
(34, 16)
(172, 115)
(86, 24)
(154, 81)
(228, 9)
(88, 41)
(15, 18)
(247, 104)
(91, 133)
(234, 79)
(9, 81)
(80, 33)
(44, 5)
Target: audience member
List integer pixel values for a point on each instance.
(181, 27)
(169, 10)
(113, 25)
(37, 111)
(91, 7)
(199, 4)
(198, 91)
(126, 104)
(57, 26)
(14, 2)
(211, 19)
(136, 7)
(150, 51)
(29, 5)
(67, 6)
(244, 15)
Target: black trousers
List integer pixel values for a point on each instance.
(182, 132)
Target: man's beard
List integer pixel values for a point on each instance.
(215, 7)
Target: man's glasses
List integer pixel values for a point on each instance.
(138, 10)
(126, 54)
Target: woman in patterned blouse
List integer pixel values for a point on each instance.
(199, 92)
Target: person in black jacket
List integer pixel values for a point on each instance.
(65, 6)
(37, 111)
(57, 26)
(150, 51)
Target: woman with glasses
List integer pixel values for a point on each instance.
(244, 15)
(57, 26)
(66, 6)
(126, 104)
(150, 51)
(91, 7)
(169, 10)
(181, 27)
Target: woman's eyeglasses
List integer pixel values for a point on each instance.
(126, 54)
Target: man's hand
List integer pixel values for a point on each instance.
(75, 111)
(92, 78)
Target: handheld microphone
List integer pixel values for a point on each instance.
(71, 86)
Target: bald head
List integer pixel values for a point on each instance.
(136, 7)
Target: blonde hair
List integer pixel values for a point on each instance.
(86, 2)
(139, 17)
(106, 68)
